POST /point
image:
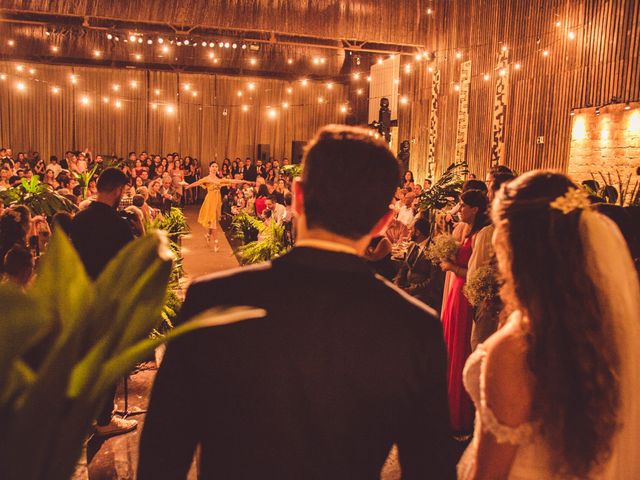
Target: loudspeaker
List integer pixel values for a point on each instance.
(297, 150)
(263, 152)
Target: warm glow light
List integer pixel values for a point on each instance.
(251, 86)
(502, 72)
(253, 61)
(149, 42)
(360, 91)
(404, 100)
(430, 69)
(418, 57)
(517, 66)
(109, 36)
(165, 49)
(396, 81)
(169, 109)
(245, 108)
(320, 99)
(216, 60)
(486, 77)
(304, 82)
(138, 56)
(545, 53)
(234, 45)
(132, 38)
(290, 61)
(571, 35)
(458, 55)
(84, 100)
(54, 49)
(456, 87)
(154, 106)
(407, 68)
(161, 40)
(356, 76)
(157, 91)
(212, 55)
(558, 24)
(55, 90)
(133, 84)
(32, 71)
(285, 105)
(3, 76)
(329, 85)
(11, 43)
(634, 122)
(73, 79)
(118, 104)
(380, 60)
(186, 42)
(105, 99)
(187, 87)
(211, 44)
(19, 68)
(368, 78)
(272, 113)
(140, 40)
(343, 109)
(323, 60)
(226, 45)
(21, 86)
(429, 11)
(221, 44)
(194, 94)
(97, 53)
(579, 130)
(116, 87)
(289, 90)
(239, 93)
(504, 48)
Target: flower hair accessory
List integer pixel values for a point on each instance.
(574, 199)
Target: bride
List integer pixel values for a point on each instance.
(557, 388)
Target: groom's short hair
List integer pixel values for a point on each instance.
(348, 179)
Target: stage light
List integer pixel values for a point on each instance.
(21, 86)
(244, 46)
(404, 100)
(571, 35)
(132, 38)
(116, 87)
(84, 100)
(285, 105)
(20, 68)
(186, 42)
(160, 40)
(245, 108)
(140, 40)
(157, 91)
(54, 49)
(149, 42)
(486, 77)
(179, 44)
(118, 104)
(169, 109)
(221, 44)
(109, 36)
(226, 44)
(234, 46)
(55, 90)
(251, 86)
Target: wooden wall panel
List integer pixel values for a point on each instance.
(600, 66)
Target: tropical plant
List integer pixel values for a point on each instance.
(445, 190)
(39, 197)
(84, 178)
(292, 171)
(270, 244)
(615, 191)
(173, 222)
(90, 334)
(246, 227)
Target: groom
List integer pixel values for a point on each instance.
(343, 366)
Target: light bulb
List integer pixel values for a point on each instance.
(251, 86)
(502, 72)
(165, 49)
(234, 45)
(558, 24)
(304, 82)
(55, 90)
(320, 99)
(186, 42)
(359, 91)
(430, 69)
(289, 90)
(157, 91)
(245, 108)
(253, 61)
(134, 84)
(517, 66)
(380, 60)
(456, 87)
(154, 106)
(132, 38)
(272, 113)
(105, 99)
(290, 61)
(169, 109)
(368, 78)
(160, 40)
(140, 40)
(109, 36)
(118, 104)
(84, 100)
(329, 86)
(571, 35)
(73, 79)
(486, 77)
(11, 43)
(54, 49)
(458, 55)
(149, 42)
(20, 68)
(343, 109)
(21, 86)
(404, 100)
(187, 87)
(32, 71)
(226, 44)
(3, 76)
(545, 53)
(194, 94)
(221, 44)
(504, 48)
(407, 68)
(116, 87)
(138, 56)
(285, 105)
(356, 76)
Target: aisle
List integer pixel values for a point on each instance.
(199, 258)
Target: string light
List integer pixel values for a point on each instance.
(396, 81)
(429, 11)
(105, 99)
(368, 78)
(55, 90)
(221, 44)
(118, 104)
(97, 53)
(186, 42)
(134, 84)
(116, 87)
(486, 77)
(11, 43)
(169, 109)
(149, 42)
(74, 79)
(545, 53)
(360, 91)
(289, 90)
(251, 86)
(19, 68)
(179, 44)
(157, 91)
(404, 100)
(216, 60)
(285, 105)
(245, 108)
(212, 55)
(54, 49)
(226, 45)
(234, 45)
(571, 35)
(418, 57)
(21, 86)
(84, 100)
(244, 46)
(458, 55)
(239, 93)
(504, 48)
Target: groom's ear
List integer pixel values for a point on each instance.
(298, 196)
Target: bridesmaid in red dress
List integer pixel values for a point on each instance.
(457, 313)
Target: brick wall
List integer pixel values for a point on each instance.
(607, 143)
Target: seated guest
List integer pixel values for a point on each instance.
(278, 211)
(418, 276)
(378, 255)
(18, 265)
(328, 380)
(155, 199)
(261, 199)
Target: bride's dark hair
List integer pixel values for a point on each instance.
(572, 351)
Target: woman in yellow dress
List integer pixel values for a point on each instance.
(211, 210)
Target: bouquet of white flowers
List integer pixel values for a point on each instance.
(442, 248)
(481, 285)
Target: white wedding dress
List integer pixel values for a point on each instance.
(611, 269)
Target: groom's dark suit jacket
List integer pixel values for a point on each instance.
(343, 366)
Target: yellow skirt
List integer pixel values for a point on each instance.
(211, 209)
